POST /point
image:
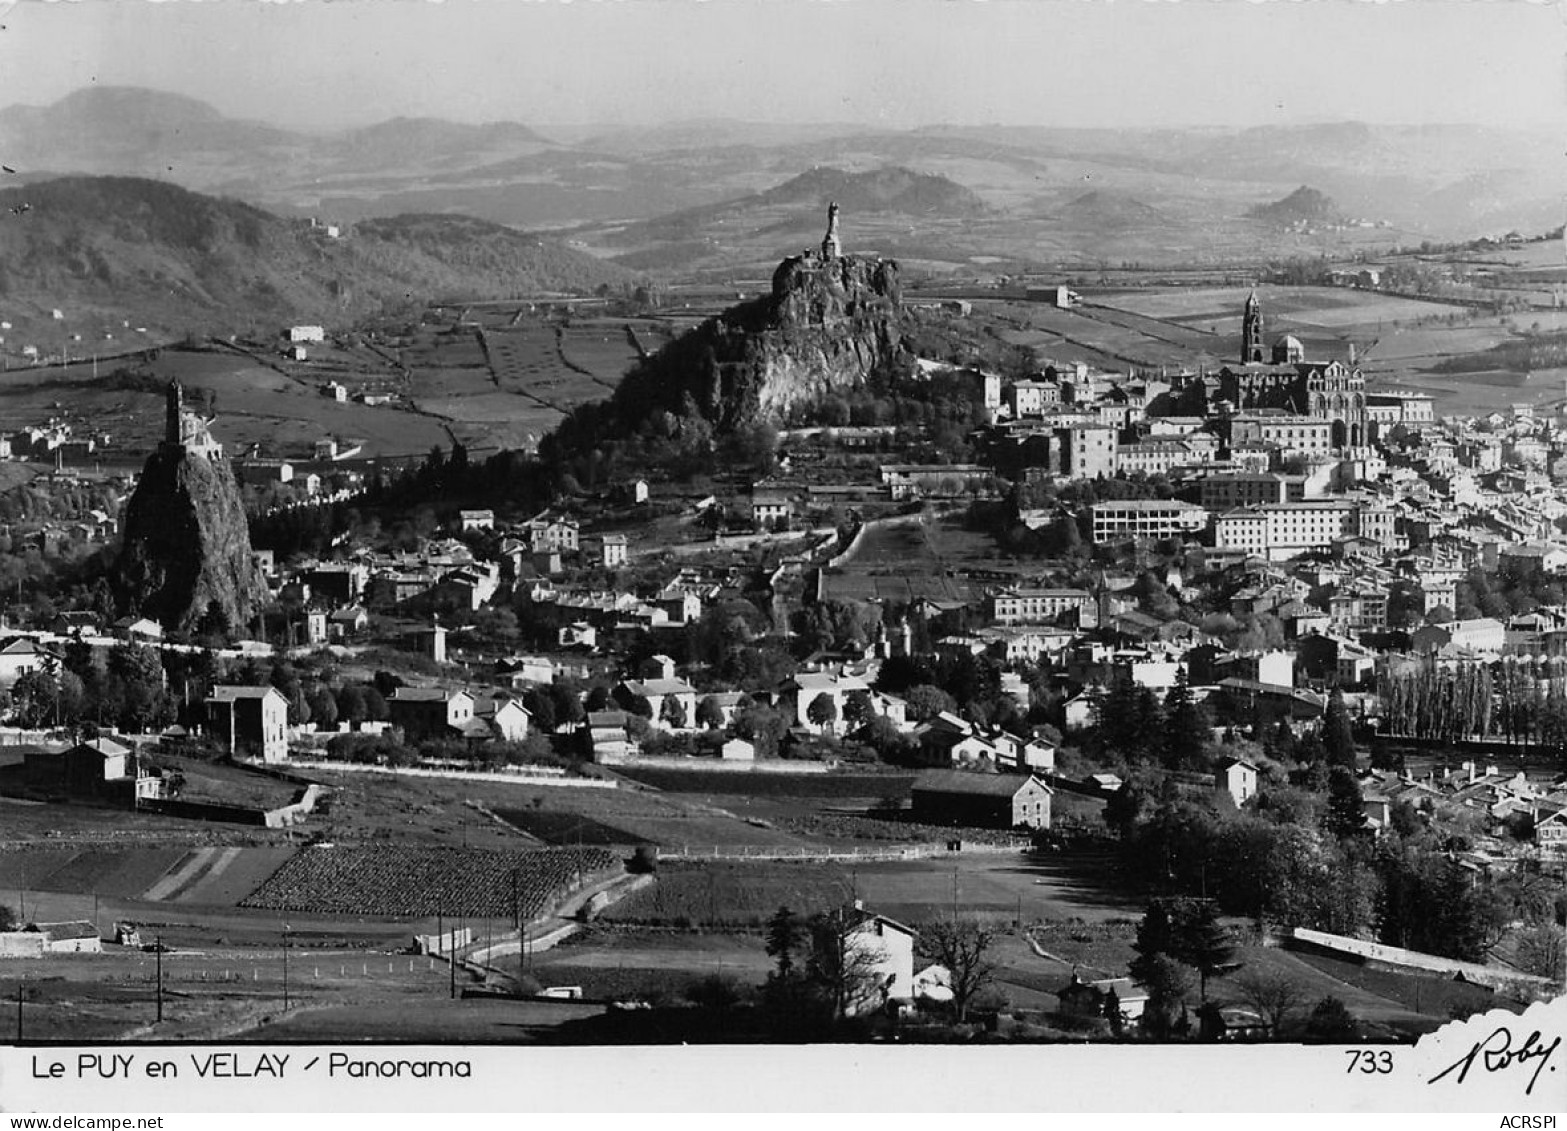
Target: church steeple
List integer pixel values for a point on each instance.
(1251, 330)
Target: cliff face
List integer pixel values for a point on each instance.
(830, 323)
(187, 544)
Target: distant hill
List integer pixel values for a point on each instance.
(891, 190)
(1305, 204)
(1104, 209)
(129, 249)
(888, 189)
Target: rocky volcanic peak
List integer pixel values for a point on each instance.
(831, 323)
(187, 545)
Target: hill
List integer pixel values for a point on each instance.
(120, 249)
(791, 211)
(888, 189)
(1102, 209)
(1304, 205)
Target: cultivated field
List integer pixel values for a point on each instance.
(422, 881)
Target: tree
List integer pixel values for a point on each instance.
(1275, 997)
(323, 708)
(1346, 808)
(786, 936)
(708, 713)
(1186, 931)
(762, 726)
(673, 712)
(1169, 986)
(1331, 1022)
(822, 711)
(1206, 945)
(962, 947)
(351, 705)
(1542, 950)
(1185, 728)
(1338, 737)
(540, 706)
(567, 702)
(7, 917)
(858, 708)
(925, 702)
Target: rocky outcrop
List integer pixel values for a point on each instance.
(831, 323)
(187, 545)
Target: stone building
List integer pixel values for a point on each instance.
(1286, 380)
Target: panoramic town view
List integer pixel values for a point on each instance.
(740, 574)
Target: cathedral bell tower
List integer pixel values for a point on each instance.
(1251, 331)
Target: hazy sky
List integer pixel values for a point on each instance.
(895, 62)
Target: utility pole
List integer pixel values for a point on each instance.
(285, 967)
(19, 985)
(158, 954)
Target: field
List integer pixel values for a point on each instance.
(728, 895)
(907, 559)
(1001, 885)
(124, 873)
(709, 782)
(418, 882)
(566, 828)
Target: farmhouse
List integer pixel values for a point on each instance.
(956, 797)
(250, 721)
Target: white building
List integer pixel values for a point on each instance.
(1146, 518)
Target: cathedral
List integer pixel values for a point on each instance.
(1287, 381)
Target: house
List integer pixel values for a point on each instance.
(88, 769)
(138, 628)
(75, 624)
(615, 551)
(1081, 998)
(1237, 778)
(806, 688)
(430, 641)
(1550, 833)
(430, 712)
(21, 655)
(521, 671)
(549, 534)
(507, 719)
(475, 520)
(79, 936)
(769, 508)
(348, 621)
(250, 721)
(673, 700)
(609, 736)
(882, 951)
(956, 797)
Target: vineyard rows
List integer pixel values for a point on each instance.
(381, 880)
